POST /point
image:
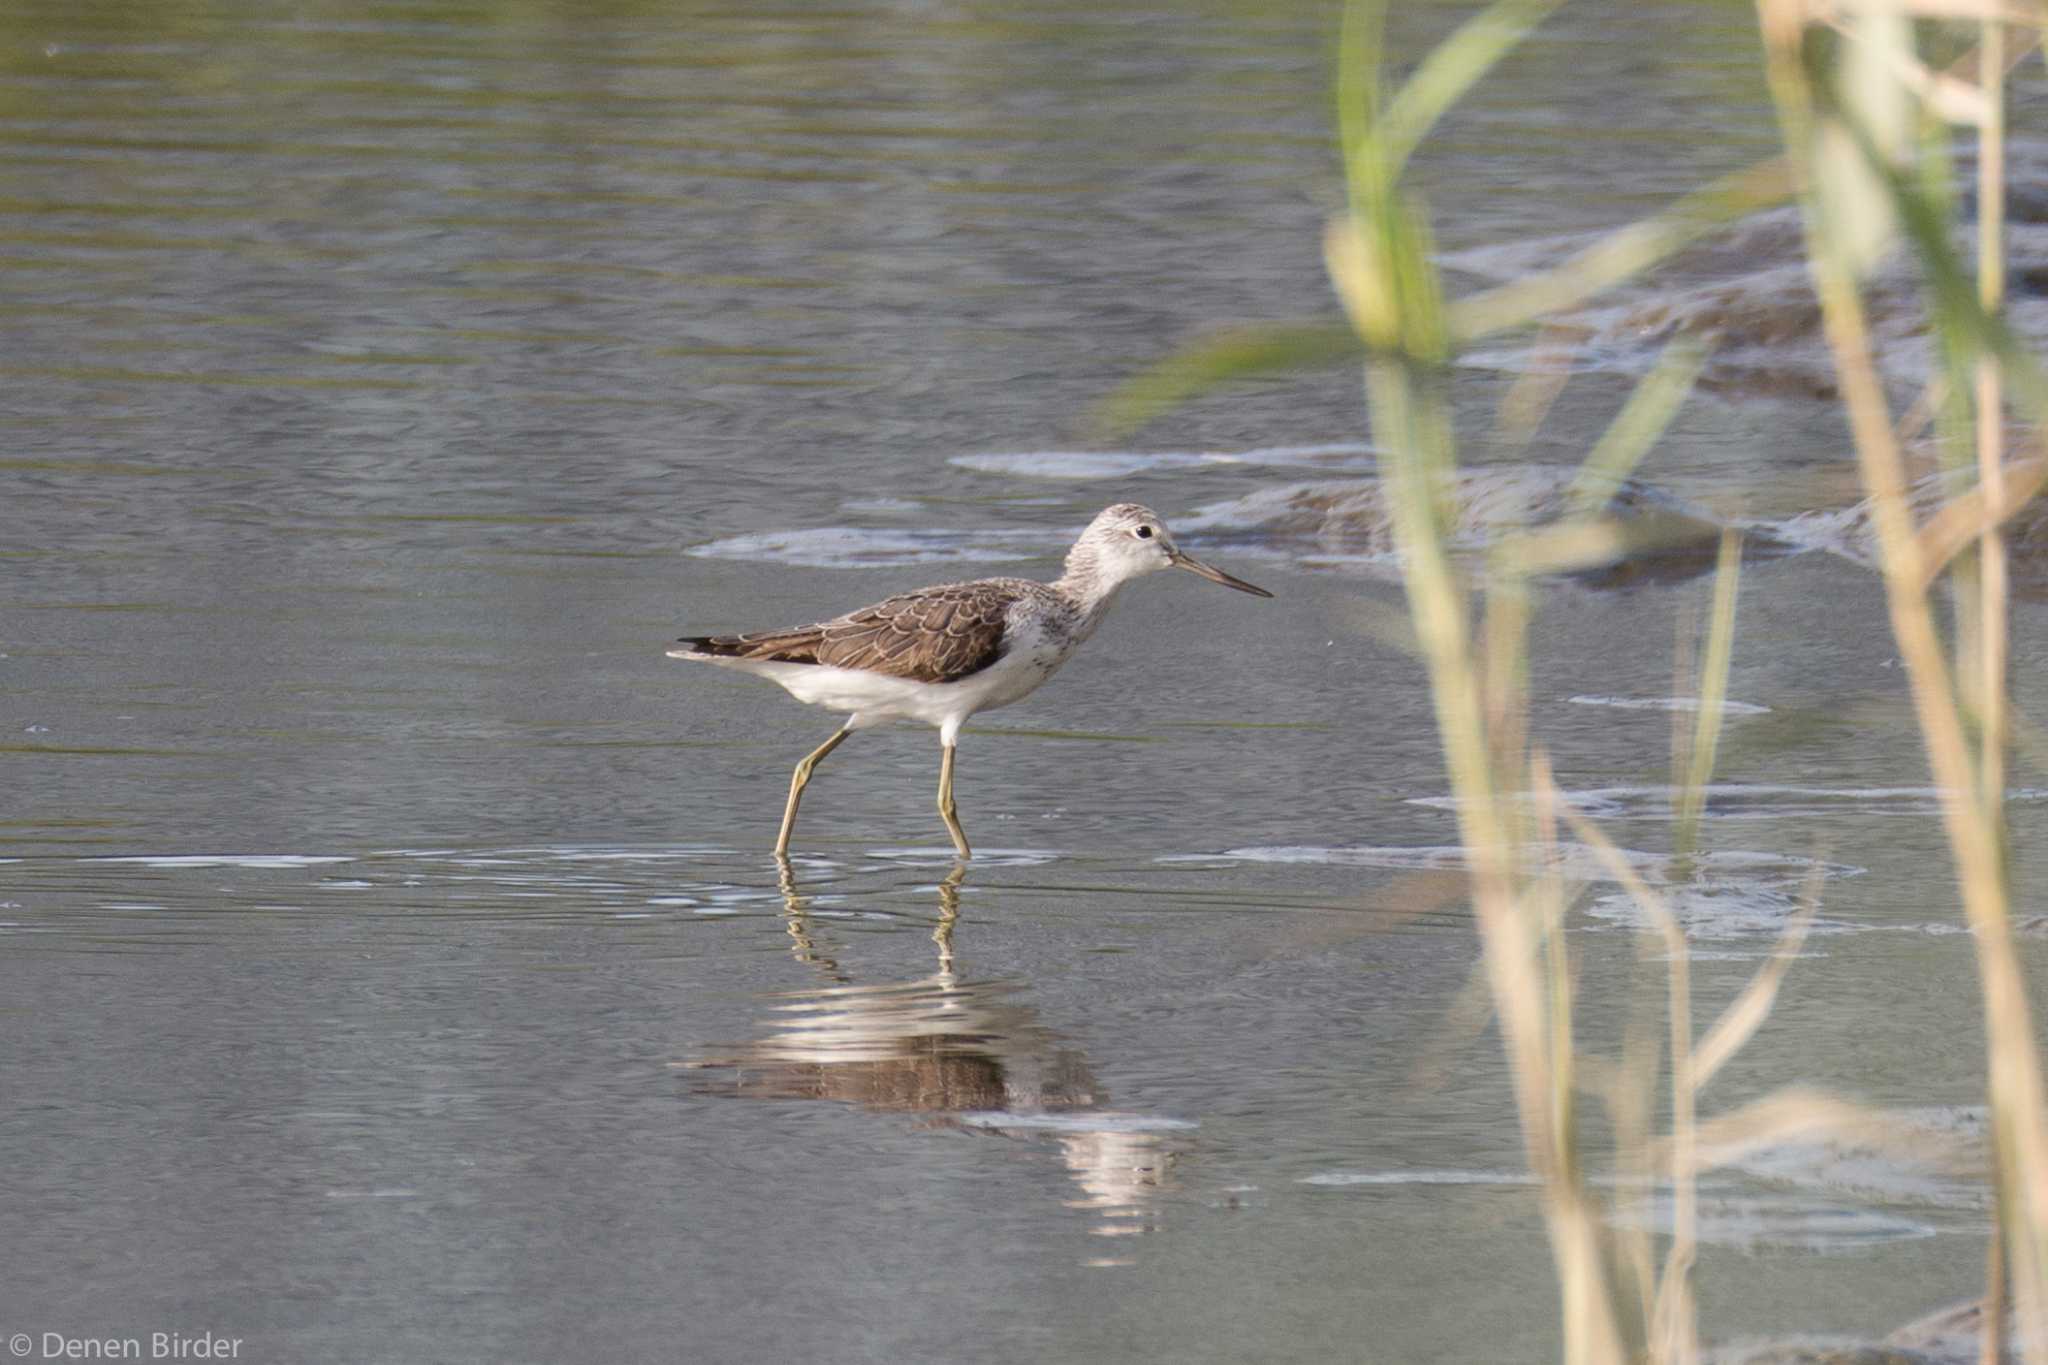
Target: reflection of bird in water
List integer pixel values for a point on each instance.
(804, 948)
(939, 655)
(936, 1044)
(969, 1053)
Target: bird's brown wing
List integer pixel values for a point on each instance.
(934, 635)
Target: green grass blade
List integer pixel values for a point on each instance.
(1223, 356)
(1649, 410)
(1451, 69)
(1623, 253)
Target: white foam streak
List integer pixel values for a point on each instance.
(1687, 704)
(266, 860)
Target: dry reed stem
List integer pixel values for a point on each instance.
(1536, 389)
(2015, 1081)
(1674, 1334)
(1992, 569)
(1793, 1114)
(1993, 585)
(1712, 693)
(1746, 1013)
(1978, 515)
(1673, 1323)
(1975, 832)
(1410, 425)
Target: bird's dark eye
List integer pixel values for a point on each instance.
(1143, 533)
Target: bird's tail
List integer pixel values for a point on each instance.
(708, 647)
(770, 646)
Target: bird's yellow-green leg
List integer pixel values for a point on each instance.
(798, 780)
(946, 810)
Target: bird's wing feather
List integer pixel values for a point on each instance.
(934, 635)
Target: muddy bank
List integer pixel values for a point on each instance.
(1747, 291)
(1948, 1336)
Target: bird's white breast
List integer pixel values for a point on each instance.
(1035, 652)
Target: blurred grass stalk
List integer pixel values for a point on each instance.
(1852, 94)
(1614, 1306)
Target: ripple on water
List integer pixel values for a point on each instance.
(1725, 894)
(1429, 858)
(983, 857)
(1575, 862)
(1082, 1121)
(1717, 909)
(887, 507)
(1753, 801)
(1424, 1176)
(1938, 1157)
(620, 853)
(1753, 1221)
(1082, 466)
(173, 892)
(857, 547)
(1724, 1216)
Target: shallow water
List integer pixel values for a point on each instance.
(394, 962)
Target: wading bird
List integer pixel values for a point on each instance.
(939, 655)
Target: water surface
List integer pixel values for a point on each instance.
(395, 965)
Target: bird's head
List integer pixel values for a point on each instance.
(1127, 541)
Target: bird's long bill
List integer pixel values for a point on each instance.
(1214, 575)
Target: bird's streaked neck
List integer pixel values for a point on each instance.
(1089, 582)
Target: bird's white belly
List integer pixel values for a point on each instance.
(875, 697)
